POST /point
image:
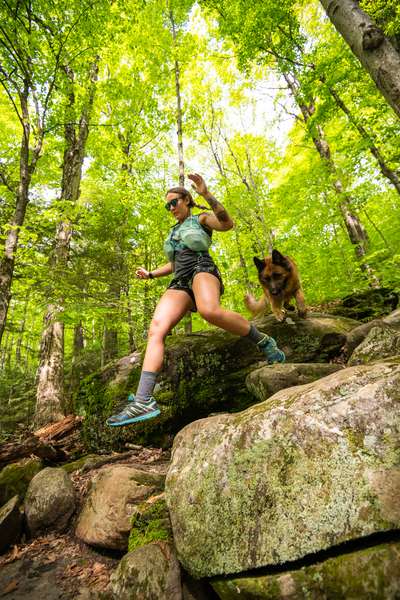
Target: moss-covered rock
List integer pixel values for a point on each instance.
(267, 381)
(150, 523)
(114, 495)
(372, 574)
(147, 573)
(204, 372)
(378, 345)
(368, 304)
(14, 479)
(311, 467)
(49, 502)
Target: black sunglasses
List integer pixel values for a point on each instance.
(173, 202)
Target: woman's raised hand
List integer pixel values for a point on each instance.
(199, 185)
(142, 273)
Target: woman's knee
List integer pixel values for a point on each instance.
(210, 314)
(159, 329)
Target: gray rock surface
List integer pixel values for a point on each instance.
(378, 345)
(372, 574)
(147, 574)
(311, 467)
(393, 319)
(10, 523)
(358, 335)
(49, 502)
(267, 381)
(114, 493)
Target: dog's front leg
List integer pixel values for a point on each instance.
(301, 303)
(277, 310)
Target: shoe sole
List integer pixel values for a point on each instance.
(135, 420)
(280, 362)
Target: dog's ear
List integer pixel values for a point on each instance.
(260, 264)
(279, 260)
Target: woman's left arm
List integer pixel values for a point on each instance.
(220, 220)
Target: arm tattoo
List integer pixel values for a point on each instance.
(222, 215)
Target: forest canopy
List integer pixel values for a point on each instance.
(105, 105)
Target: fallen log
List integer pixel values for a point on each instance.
(13, 451)
(57, 431)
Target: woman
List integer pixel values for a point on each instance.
(197, 285)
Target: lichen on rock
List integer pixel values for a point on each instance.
(288, 477)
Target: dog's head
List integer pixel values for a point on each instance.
(273, 272)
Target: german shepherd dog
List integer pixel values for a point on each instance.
(280, 281)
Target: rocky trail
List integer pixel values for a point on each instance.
(282, 482)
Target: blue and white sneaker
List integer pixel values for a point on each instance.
(271, 350)
(137, 410)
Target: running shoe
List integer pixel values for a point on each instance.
(271, 350)
(137, 410)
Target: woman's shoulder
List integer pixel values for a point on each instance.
(202, 219)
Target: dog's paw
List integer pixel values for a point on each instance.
(302, 314)
(281, 318)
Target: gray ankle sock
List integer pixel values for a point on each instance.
(146, 385)
(254, 335)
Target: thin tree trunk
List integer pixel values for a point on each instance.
(372, 48)
(26, 170)
(391, 175)
(178, 109)
(383, 238)
(188, 315)
(5, 346)
(21, 333)
(28, 340)
(77, 347)
(50, 400)
(355, 229)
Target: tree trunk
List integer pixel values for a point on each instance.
(50, 403)
(372, 48)
(21, 333)
(26, 170)
(391, 175)
(50, 400)
(5, 346)
(77, 347)
(355, 229)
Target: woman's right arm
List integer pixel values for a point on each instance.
(161, 272)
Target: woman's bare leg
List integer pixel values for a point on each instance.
(171, 308)
(206, 288)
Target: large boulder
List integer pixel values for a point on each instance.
(393, 319)
(204, 372)
(148, 573)
(378, 345)
(114, 494)
(50, 501)
(373, 573)
(267, 381)
(14, 479)
(313, 466)
(10, 524)
(358, 335)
